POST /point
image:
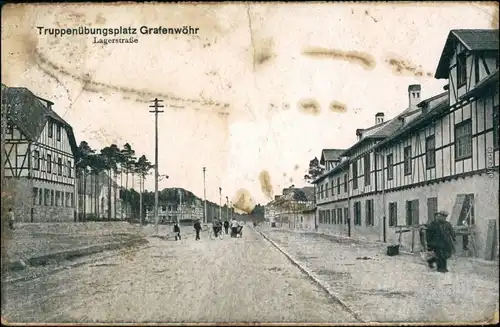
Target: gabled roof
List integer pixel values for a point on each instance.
(29, 114)
(436, 110)
(489, 80)
(473, 40)
(330, 155)
(381, 132)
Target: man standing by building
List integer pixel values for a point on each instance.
(177, 231)
(197, 228)
(226, 226)
(440, 239)
(11, 218)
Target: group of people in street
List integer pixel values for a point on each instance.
(217, 226)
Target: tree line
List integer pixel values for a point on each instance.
(123, 162)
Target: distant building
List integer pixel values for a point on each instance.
(38, 158)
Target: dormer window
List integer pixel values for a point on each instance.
(461, 69)
(51, 129)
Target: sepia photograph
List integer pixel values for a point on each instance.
(250, 163)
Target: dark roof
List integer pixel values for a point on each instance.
(29, 114)
(330, 154)
(441, 107)
(341, 165)
(381, 133)
(473, 40)
(426, 101)
(490, 80)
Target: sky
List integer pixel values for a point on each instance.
(258, 92)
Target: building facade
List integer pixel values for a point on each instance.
(440, 153)
(38, 158)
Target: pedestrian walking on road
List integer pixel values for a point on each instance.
(234, 227)
(226, 226)
(11, 218)
(177, 231)
(197, 228)
(440, 239)
(216, 227)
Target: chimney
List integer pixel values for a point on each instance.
(359, 133)
(379, 118)
(414, 95)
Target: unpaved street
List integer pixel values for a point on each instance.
(229, 280)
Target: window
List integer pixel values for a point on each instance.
(35, 195)
(57, 198)
(59, 166)
(393, 214)
(357, 213)
(51, 129)
(476, 68)
(338, 185)
(10, 129)
(36, 160)
(345, 183)
(47, 197)
(346, 216)
(58, 132)
(339, 215)
(430, 152)
(367, 169)
(320, 216)
(496, 118)
(407, 160)
(334, 216)
(322, 192)
(327, 216)
(333, 188)
(432, 208)
(40, 197)
(69, 168)
(412, 213)
(49, 163)
(369, 218)
(461, 69)
(355, 174)
(390, 166)
(463, 140)
(51, 197)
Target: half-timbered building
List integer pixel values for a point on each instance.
(440, 153)
(447, 158)
(38, 158)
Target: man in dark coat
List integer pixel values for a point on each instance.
(226, 226)
(177, 231)
(197, 228)
(440, 239)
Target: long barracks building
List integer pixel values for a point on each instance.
(440, 153)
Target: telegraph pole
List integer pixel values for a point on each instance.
(156, 105)
(220, 203)
(180, 204)
(204, 197)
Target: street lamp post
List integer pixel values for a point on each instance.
(220, 203)
(204, 197)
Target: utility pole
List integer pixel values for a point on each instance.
(220, 203)
(140, 198)
(156, 105)
(180, 205)
(204, 197)
(227, 208)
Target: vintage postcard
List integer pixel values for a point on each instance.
(250, 163)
